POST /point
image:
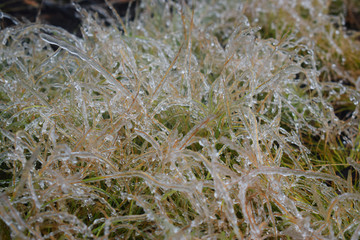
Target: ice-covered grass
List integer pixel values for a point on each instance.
(213, 120)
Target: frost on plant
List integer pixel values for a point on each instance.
(188, 123)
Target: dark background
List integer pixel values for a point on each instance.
(60, 13)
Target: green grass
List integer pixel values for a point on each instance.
(209, 121)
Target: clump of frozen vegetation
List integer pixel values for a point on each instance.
(193, 121)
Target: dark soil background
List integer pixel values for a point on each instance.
(61, 13)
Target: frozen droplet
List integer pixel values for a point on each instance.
(109, 138)
(108, 182)
(199, 186)
(354, 100)
(292, 70)
(150, 216)
(129, 125)
(172, 166)
(63, 152)
(343, 60)
(203, 142)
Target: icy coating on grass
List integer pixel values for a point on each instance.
(187, 124)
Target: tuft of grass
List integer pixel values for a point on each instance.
(204, 120)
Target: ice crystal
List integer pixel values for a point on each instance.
(187, 122)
